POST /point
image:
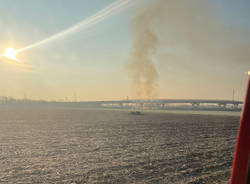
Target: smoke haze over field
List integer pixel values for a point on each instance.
(170, 48)
(183, 34)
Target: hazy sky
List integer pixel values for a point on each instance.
(92, 64)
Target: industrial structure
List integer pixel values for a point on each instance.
(195, 104)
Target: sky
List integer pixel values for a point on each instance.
(92, 64)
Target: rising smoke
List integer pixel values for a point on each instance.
(142, 69)
(183, 33)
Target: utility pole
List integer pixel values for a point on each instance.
(233, 94)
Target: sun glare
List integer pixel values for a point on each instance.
(10, 53)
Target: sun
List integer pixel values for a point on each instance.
(10, 53)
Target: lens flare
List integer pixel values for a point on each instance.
(10, 53)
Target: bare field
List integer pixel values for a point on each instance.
(95, 146)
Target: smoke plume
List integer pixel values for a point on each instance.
(186, 34)
(142, 69)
